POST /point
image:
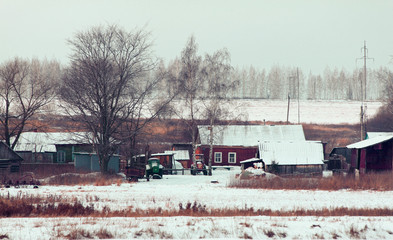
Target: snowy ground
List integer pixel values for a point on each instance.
(318, 112)
(213, 192)
(310, 111)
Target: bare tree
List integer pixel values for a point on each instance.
(25, 88)
(204, 84)
(217, 71)
(107, 86)
(190, 83)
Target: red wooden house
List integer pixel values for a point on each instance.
(235, 143)
(372, 154)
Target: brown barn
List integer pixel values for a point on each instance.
(372, 154)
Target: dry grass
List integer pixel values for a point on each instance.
(96, 179)
(269, 233)
(35, 207)
(76, 232)
(374, 181)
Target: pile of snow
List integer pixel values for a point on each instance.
(252, 172)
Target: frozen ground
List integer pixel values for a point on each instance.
(167, 193)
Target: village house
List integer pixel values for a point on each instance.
(67, 151)
(180, 156)
(375, 153)
(235, 143)
(51, 147)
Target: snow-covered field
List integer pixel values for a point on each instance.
(310, 111)
(318, 112)
(211, 191)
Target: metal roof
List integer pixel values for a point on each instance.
(292, 153)
(46, 142)
(370, 142)
(377, 134)
(180, 154)
(249, 135)
(251, 160)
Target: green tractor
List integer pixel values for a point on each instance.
(153, 168)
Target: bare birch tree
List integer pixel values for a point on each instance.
(106, 85)
(216, 72)
(190, 85)
(25, 88)
(204, 84)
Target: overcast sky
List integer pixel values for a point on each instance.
(295, 33)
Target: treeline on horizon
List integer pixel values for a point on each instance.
(279, 82)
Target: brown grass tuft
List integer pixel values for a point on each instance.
(23, 206)
(4, 236)
(103, 233)
(269, 233)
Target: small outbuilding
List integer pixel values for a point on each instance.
(10, 161)
(373, 154)
(89, 162)
(181, 157)
(303, 157)
(252, 162)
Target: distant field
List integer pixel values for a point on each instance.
(317, 112)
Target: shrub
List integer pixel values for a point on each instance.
(4, 236)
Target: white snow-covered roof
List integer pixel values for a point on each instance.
(250, 160)
(249, 135)
(46, 142)
(180, 154)
(292, 153)
(370, 142)
(377, 134)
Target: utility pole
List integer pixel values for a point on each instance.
(294, 93)
(289, 102)
(298, 96)
(363, 84)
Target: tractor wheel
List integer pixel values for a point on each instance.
(204, 172)
(193, 172)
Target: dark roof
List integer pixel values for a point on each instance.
(6, 153)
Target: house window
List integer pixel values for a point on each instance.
(218, 157)
(61, 156)
(232, 157)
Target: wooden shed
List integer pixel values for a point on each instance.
(89, 162)
(9, 160)
(372, 154)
